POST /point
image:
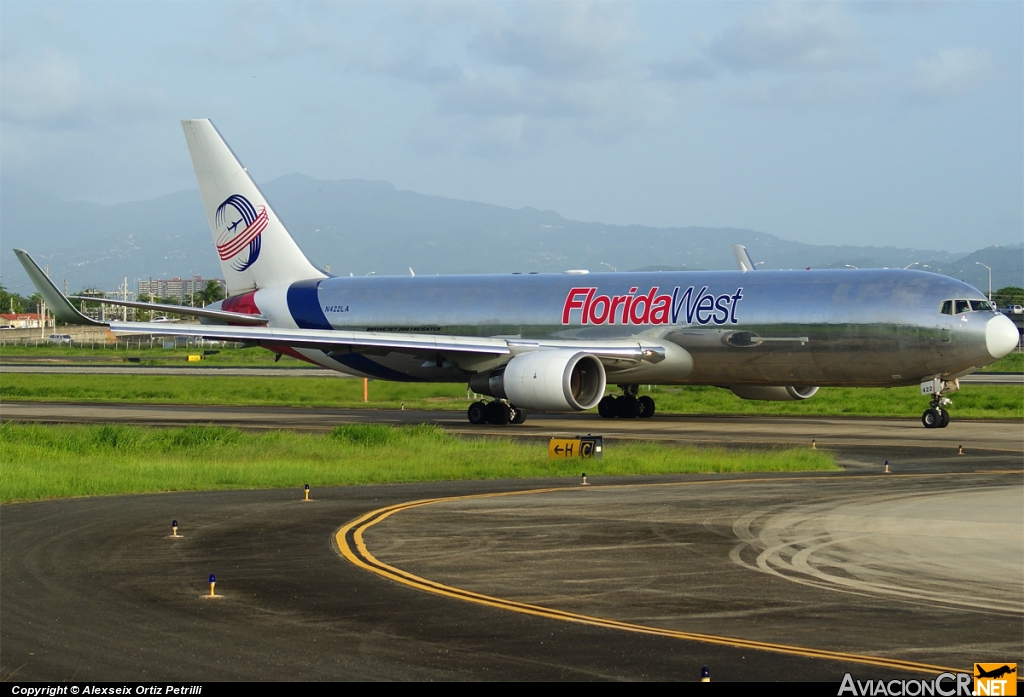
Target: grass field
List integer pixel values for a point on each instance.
(973, 401)
(42, 462)
(1014, 363)
(99, 354)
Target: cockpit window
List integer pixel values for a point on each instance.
(958, 307)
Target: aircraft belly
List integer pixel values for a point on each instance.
(397, 367)
(823, 355)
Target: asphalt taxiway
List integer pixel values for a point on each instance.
(788, 577)
(868, 433)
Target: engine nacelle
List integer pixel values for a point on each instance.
(546, 380)
(773, 394)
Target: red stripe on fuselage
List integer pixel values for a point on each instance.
(289, 351)
(244, 304)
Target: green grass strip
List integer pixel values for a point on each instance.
(1014, 363)
(972, 401)
(42, 462)
(114, 354)
(229, 356)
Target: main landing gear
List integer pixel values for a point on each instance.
(627, 405)
(935, 416)
(498, 412)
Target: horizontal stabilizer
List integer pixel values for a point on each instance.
(222, 316)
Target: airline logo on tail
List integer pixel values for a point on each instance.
(241, 225)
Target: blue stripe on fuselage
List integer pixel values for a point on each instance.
(304, 305)
(362, 364)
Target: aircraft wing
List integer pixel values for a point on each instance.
(59, 305)
(327, 339)
(614, 354)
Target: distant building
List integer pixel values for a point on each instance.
(104, 312)
(185, 290)
(21, 320)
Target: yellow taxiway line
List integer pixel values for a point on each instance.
(352, 546)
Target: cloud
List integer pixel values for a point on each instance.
(686, 68)
(502, 112)
(504, 96)
(260, 33)
(49, 89)
(581, 40)
(531, 72)
(46, 89)
(824, 90)
(789, 36)
(408, 64)
(951, 72)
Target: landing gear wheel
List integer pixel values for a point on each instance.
(499, 413)
(477, 413)
(518, 416)
(646, 407)
(606, 407)
(936, 416)
(627, 407)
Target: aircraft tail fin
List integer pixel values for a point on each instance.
(743, 259)
(255, 249)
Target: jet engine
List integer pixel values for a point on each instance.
(773, 394)
(546, 380)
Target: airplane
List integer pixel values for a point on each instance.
(553, 342)
(995, 673)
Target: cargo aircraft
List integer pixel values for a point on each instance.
(552, 342)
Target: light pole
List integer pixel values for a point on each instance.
(989, 279)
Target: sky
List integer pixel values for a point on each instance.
(874, 123)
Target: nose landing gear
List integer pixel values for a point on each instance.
(935, 416)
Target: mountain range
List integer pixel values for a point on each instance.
(359, 227)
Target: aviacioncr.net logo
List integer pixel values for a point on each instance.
(945, 685)
(240, 225)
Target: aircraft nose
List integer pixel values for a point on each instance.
(1001, 336)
